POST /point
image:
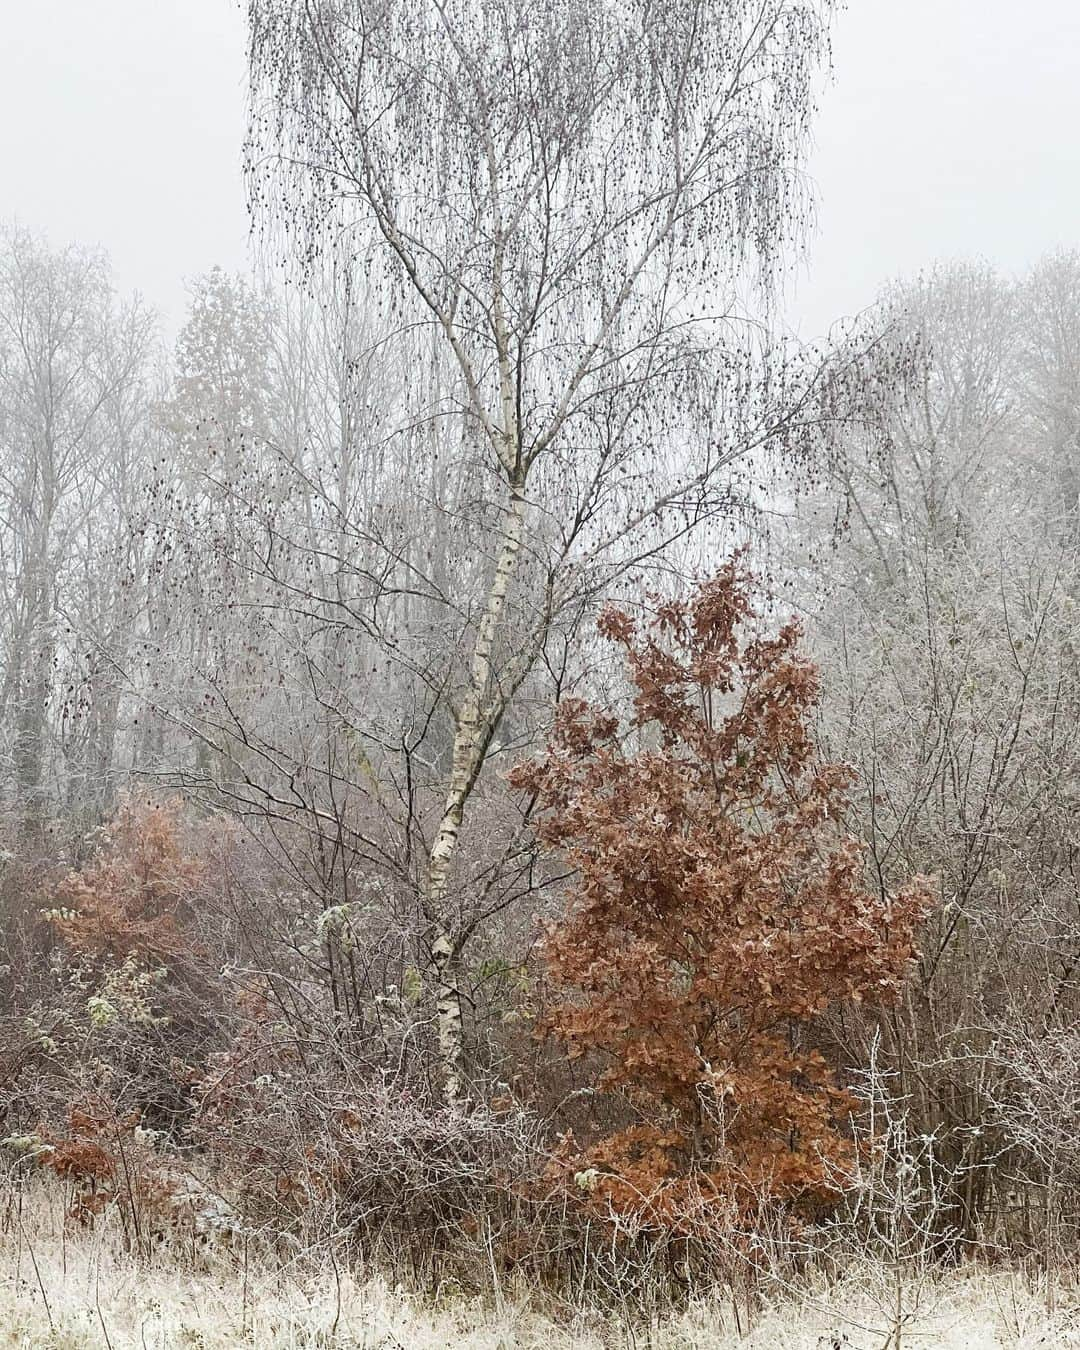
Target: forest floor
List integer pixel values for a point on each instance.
(64, 1291)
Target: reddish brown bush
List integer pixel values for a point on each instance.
(127, 899)
(718, 908)
(136, 1003)
(107, 1159)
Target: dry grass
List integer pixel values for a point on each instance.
(63, 1291)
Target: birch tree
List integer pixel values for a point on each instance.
(569, 199)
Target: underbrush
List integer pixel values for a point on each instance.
(205, 1152)
(65, 1285)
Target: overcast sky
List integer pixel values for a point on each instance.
(952, 129)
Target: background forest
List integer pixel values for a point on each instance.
(511, 768)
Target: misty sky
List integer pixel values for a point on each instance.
(951, 129)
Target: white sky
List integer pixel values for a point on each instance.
(952, 129)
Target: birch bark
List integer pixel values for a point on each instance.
(474, 723)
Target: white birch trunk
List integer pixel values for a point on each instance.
(474, 722)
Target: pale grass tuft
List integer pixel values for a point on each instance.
(64, 1290)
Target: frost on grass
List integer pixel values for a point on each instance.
(64, 1290)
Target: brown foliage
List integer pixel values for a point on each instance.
(106, 1159)
(136, 1000)
(718, 907)
(126, 900)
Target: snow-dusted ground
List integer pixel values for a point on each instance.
(65, 1291)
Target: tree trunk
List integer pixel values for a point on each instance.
(474, 724)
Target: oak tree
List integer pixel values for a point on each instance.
(718, 908)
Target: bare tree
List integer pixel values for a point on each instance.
(945, 624)
(72, 364)
(1050, 364)
(567, 198)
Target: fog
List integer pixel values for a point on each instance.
(949, 130)
(539, 726)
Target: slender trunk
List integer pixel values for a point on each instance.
(36, 661)
(474, 722)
